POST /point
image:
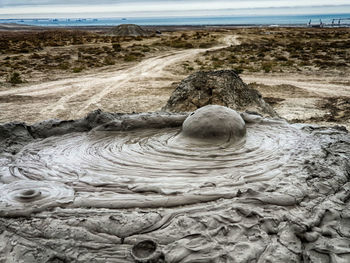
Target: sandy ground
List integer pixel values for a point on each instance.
(300, 95)
(146, 86)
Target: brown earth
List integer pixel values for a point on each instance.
(67, 73)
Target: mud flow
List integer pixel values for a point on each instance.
(158, 162)
(277, 194)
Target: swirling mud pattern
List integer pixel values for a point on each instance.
(119, 195)
(172, 170)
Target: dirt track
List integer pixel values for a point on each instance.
(146, 86)
(142, 87)
(307, 98)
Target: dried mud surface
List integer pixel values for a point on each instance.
(90, 190)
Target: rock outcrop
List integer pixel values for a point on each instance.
(222, 87)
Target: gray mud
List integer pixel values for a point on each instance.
(96, 189)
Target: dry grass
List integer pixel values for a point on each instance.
(284, 50)
(63, 52)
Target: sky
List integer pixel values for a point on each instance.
(157, 8)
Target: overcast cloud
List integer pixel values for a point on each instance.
(139, 8)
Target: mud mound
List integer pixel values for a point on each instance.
(128, 187)
(130, 30)
(214, 122)
(222, 87)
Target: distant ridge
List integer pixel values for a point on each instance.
(17, 27)
(129, 30)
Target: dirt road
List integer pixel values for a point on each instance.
(142, 87)
(323, 87)
(146, 86)
(323, 100)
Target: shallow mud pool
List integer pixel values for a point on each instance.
(170, 169)
(112, 193)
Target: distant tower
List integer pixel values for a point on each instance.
(321, 24)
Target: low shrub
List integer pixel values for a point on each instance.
(116, 47)
(15, 78)
(108, 61)
(64, 66)
(77, 69)
(130, 58)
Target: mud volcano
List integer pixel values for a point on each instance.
(221, 87)
(214, 122)
(145, 188)
(129, 30)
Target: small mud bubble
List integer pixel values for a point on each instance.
(28, 195)
(24, 197)
(146, 251)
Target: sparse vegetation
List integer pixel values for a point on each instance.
(265, 50)
(77, 69)
(15, 78)
(116, 47)
(65, 51)
(130, 58)
(285, 49)
(199, 39)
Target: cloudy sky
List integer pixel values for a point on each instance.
(141, 8)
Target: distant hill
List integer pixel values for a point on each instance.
(129, 30)
(17, 27)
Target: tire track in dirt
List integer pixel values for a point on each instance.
(322, 87)
(322, 101)
(141, 87)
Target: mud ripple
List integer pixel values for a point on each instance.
(23, 197)
(161, 163)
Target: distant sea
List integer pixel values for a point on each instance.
(286, 20)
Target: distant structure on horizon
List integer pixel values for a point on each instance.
(316, 25)
(339, 22)
(333, 24)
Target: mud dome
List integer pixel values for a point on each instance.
(214, 122)
(114, 188)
